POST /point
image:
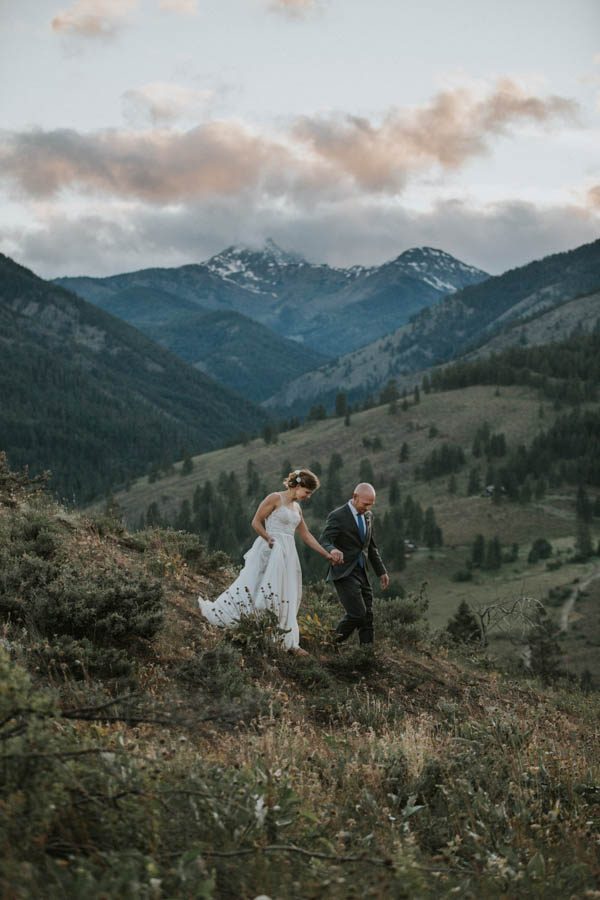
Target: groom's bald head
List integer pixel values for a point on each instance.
(363, 497)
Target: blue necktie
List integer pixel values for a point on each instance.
(361, 531)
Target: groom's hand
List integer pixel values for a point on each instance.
(384, 581)
(337, 557)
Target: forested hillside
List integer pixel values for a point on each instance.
(93, 400)
(234, 350)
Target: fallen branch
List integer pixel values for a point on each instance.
(315, 854)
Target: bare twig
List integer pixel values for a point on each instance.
(316, 854)
(62, 754)
(74, 713)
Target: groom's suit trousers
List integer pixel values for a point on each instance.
(356, 596)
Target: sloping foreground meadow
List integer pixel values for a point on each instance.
(143, 754)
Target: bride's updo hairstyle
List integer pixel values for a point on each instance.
(302, 478)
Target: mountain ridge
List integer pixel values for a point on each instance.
(301, 300)
(455, 326)
(92, 398)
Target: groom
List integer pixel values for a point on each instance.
(348, 535)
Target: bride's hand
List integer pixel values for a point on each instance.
(270, 542)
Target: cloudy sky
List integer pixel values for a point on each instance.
(157, 132)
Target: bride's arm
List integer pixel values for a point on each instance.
(311, 541)
(264, 510)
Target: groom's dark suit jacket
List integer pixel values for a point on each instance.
(341, 531)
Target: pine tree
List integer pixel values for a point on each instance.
(463, 626)
(341, 404)
(183, 522)
(583, 507)
(493, 554)
(269, 434)
(390, 392)
(478, 551)
(586, 682)
(317, 413)
(544, 648)
(336, 462)
(153, 516)
(365, 471)
(187, 467)
(583, 540)
(432, 535)
(474, 485)
(252, 478)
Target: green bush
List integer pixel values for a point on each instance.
(219, 682)
(257, 633)
(109, 609)
(463, 575)
(78, 659)
(106, 608)
(540, 549)
(402, 620)
(73, 619)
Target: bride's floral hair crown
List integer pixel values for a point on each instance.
(302, 478)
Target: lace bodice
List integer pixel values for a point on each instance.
(283, 520)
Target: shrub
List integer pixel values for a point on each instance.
(463, 575)
(257, 632)
(540, 549)
(80, 617)
(218, 677)
(218, 672)
(79, 659)
(402, 619)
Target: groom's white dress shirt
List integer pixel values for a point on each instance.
(358, 516)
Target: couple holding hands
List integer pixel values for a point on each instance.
(271, 577)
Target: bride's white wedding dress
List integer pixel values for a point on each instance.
(270, 579)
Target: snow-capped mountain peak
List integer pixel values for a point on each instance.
(255, 270)
(436, 267)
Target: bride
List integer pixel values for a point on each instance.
(271, 577)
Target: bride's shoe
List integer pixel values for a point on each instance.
(298, 651)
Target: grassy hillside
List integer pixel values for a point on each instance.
(146, 755)
(451, 417)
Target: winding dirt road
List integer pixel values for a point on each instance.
(567, 607)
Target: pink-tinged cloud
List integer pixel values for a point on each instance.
(318, 157)
(183, 7)
(593, 197)
(294, 9)
(454, 127)
(94, 18)
(157, 167)
(162, 103)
